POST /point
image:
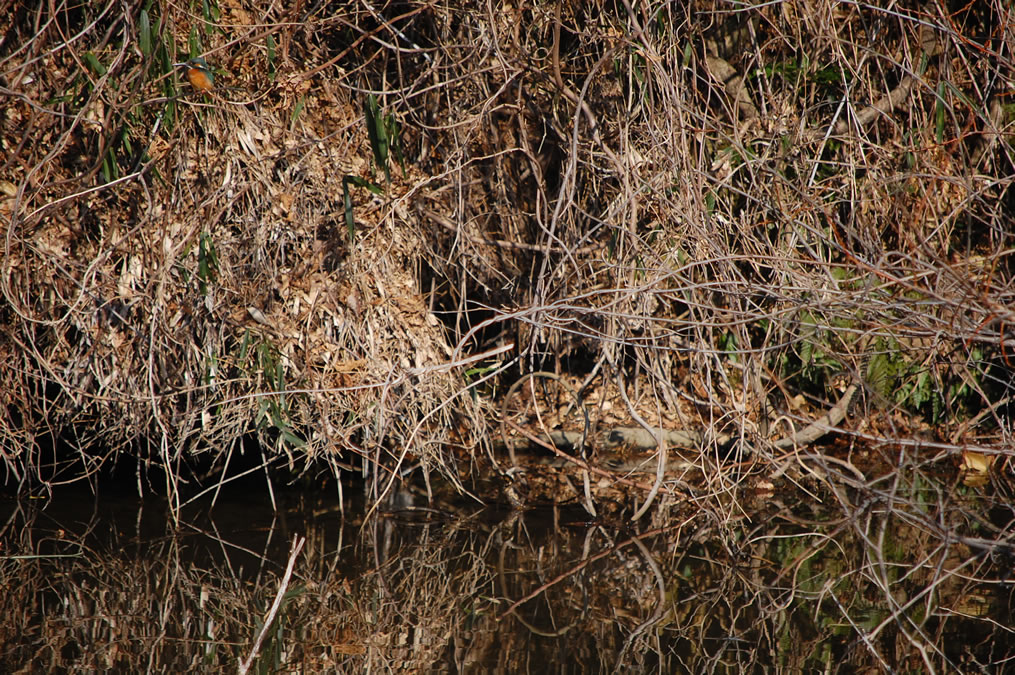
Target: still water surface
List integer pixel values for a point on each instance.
(114, 583)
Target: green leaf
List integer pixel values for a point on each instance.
(270, 44)
(211, 11)
(940, 113)
(350, 222)
(363, 183)
(92, 61)
(806, 353)
(479, 370)
(292, 439)
(394, 129)
(207, 261)
(145, 33)
(882, 368)
(110, 168)
(376, 132)
(244, 345)
(297, 111)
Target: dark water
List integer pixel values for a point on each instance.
(117, 583)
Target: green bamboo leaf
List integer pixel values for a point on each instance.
(363, 183)
(375, 131)
(244, 345)
(145, 33)
(110, 170)
(395, 142)
(350, 223)
(297, 111)
(211, 11)
(280, 381)
(207, 261)
(940, 117)
(92, 61)
(292, 439)
(270, 44)
(382, 135)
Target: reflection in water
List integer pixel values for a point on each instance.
(116, 584)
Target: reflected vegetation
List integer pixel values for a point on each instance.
(908, 575)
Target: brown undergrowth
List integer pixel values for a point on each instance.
(707, 219)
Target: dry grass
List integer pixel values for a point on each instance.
(703, 214)
(177, 270)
